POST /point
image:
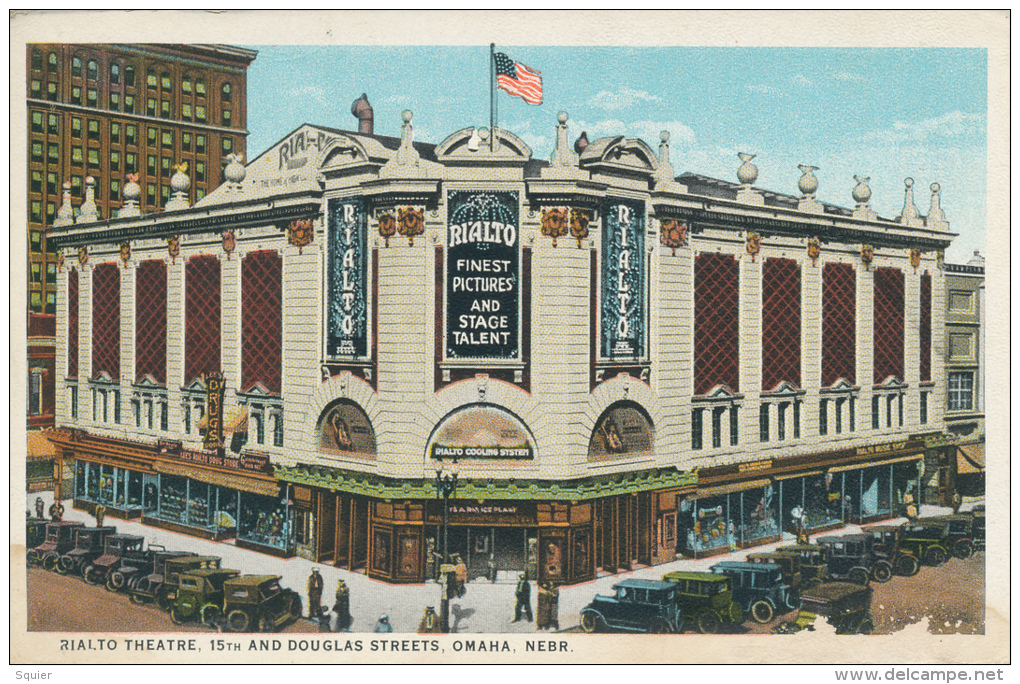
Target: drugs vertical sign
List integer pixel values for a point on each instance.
(346, 307)
(623, 279)
(482, 275)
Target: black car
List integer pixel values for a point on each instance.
(850, 558)
(635, 606)
(759, 588)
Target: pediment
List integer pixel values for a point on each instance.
(470, 144)
(620, 152)
(785, 387)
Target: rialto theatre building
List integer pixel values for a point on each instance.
(621, 366)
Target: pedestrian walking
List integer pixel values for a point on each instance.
(429, 622)
(100, 514)
(957, 502)
(523, 594)
(40, 508)
(56, 511)
(547, 613)
(383, 626)
(314, 593)
(342, 607)
(460, 570)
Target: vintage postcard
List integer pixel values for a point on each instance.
(539, 337)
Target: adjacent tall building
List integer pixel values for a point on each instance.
(618, 365)
(107, 111)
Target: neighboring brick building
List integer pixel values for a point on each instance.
(622, 365)
(106, 111)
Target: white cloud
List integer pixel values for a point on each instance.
(622, 98)
(801, 79)
(847, 76)
(760, 88)
(950, 125)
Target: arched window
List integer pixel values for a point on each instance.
(53, 63)
(129, 76)
(115, 74)
(93, 72)
(345, 428)
(150, 78)
(623, 429)
(36, 60)
(75, 66)
(226, 91)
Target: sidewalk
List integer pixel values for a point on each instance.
(485, 608)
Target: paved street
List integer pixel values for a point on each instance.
(952, 594)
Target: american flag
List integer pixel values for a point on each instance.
(517, 79)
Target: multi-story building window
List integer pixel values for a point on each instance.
(888, 336)
(696, 428)
(106, 320)
(960, 392)
(261, 321)
(715, 322)
(780, 323)
(151, 321)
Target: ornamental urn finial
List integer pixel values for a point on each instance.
(89, 212)
(65, 214)
(807, 183)
(861, 194)
(936, 217)
(235, 171)
(747, 173)
(179, 183)
(132, 194)
(562, 154)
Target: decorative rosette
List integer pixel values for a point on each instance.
(387, 227)
(579, 220)
(673, 234)
(300, 233)
(411, 222)
(814, 249)
(554, 223)
(753, 245)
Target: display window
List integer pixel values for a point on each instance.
(114, 487)
(265, 520)
(731, 520)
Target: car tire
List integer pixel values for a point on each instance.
(907, 565)
(116, 582)
(762, 612)
(63, 566)
(881, 571)
(32, 559)
(659, 626)
(592, 622)
(964, 548)
(49, 563)
(176, 616)
(859, 576)
(137, 598)
(935, 556)
(91, 576)
(209, 614)
(238, 621)
(708, 623)
(162, 601)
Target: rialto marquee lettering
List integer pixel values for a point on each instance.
(347, 320)
(482, 275)
(623, 279)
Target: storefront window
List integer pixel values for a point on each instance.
(876, 493)
(811, 502)
(198, 504)
(113, 487)
(728, 521)
(265, 520)
(173, 498)
(758, 514)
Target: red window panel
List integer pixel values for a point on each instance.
(106, 320)
(150, 320)
(925, 332)
(780, 323)
(888, 324)
(716, 314)
(72, 323)
(839, 323)
(262, 320)
(202, 317)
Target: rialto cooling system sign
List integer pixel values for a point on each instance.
(482, 275)
(346, 316)
(623, 279)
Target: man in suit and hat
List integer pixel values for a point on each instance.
(523, 594)
(314, 594)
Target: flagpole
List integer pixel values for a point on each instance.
(492, 97)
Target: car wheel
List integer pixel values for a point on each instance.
(63, 565)
(762, 612)
(32, 558)
(708, 622)
(162, 601)
(859, 576)
(49, 563)
(935, 556)
(907, 565)
(137, 598)
(91, 576)
(881, 571)
(238, 621)
(660, 626)
(963, 549)
(209, 614)
(176, 616)
(592, 622)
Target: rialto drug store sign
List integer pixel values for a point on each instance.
(482, 275)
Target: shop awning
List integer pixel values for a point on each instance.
(39, 447)
(730, 488)
(790, 476)
(970, 459)
(871, 464)
(240, 481)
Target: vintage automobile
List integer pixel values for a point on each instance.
(927, 540)
(199, 595)
(88, 546)
(256, 602)
(706, 600)
(636, 606)
(116, 549)
(35, 532)
(887, 546)
(849, 558)
(810, 563)
(758, 588)
(979, 527)
(157, 585)
(59, 540)
(846, 606)
(961, 533)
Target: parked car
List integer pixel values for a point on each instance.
(846, 606)
(635, 606)
(88, 546)
(811, 563)
(887, 545)
(758, 588)
(257, 602)
(59, 540)
(116, 547)
(199, 595)
(928, 541)
(706, 600)
(979, 527)
(155, 586)
(797, 573)
(849, 558)
(35, 532)
(961, 533)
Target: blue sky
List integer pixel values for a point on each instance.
(883, 113)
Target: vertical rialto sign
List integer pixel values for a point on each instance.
(482, 275)
(346, 303)
(623, 279)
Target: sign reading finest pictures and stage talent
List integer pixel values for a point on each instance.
(623, 279)
(346, 307)
(482, 275)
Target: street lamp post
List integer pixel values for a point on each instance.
(446, 485)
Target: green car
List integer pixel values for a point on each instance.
(927, 540)
(706, 599)
(199, 595)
